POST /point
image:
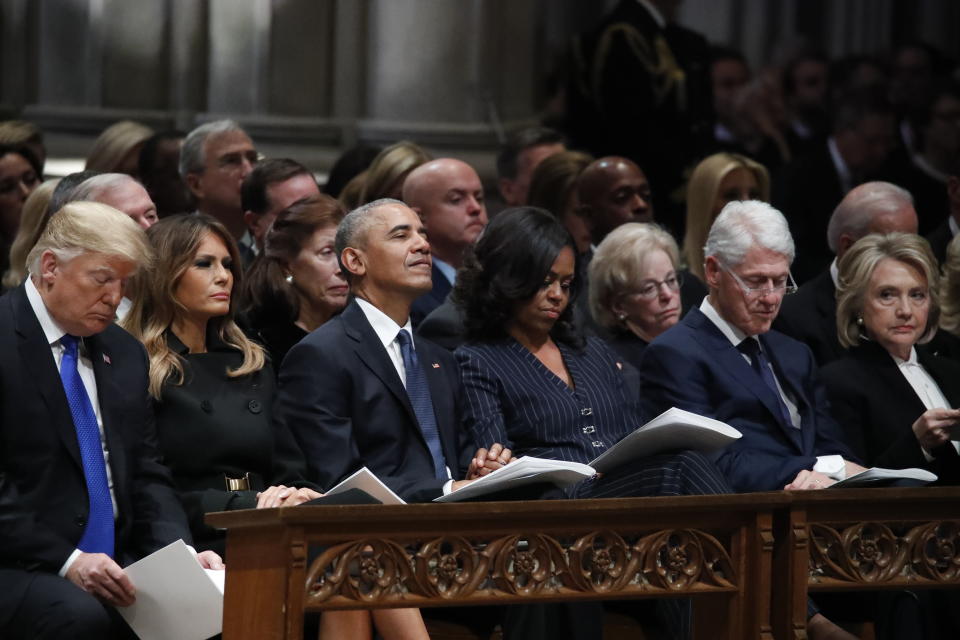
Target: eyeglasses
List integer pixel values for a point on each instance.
(782, 286)
(651, 288)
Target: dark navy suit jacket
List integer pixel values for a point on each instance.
(341, 397)
(693, 366)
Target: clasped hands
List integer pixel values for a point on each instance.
(99, 575)
(485, 461)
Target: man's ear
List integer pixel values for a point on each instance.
(49, 267)
(353, 261)
(711, 272)
(250, 219)
(844, 244)
(194, 184)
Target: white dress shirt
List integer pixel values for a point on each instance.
(53, 333)
(831, 465)
(925, 387)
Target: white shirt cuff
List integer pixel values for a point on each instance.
(70, 560)
(832, 466)
(447, 487)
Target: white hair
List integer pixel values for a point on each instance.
(93, 188)
(861, 206)
(192, 158)
(744, 225)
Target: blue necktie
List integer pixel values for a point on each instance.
(761, 366)
(98, 534)
(419, 393)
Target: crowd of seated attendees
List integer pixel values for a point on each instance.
(775, 249)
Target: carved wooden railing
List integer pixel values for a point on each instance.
(748, 561)
(717, 550)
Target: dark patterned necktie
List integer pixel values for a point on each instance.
(419, 393)
(761, 366)
(98, 534)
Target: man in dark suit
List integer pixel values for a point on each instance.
(82, 488)
(810, 316)
(448, 196)
(358, 392)
(811, 186)
(722, 361)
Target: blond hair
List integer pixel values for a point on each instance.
(114, 144)
(81, 227)
(390, 167)
(702, 192)
(618, 263)
(950, 289)
(33, 220)
(857, 267)
(176, 240)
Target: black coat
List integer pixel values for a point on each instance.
(43, 494)
(341, 397)
(810, 316)
(213, 426)
(939, 238)
(876, 406)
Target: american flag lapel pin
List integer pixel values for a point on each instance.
(436, 365)
(106, 358)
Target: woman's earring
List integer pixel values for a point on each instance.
(859, 321)
(621, 316)
(289, 278)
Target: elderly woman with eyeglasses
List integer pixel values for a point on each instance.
(895, 400)
(635, 287)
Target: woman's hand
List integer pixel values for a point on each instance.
(932, 428)
(283, 496)
(487, 460)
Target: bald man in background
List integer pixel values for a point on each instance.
(448, 196)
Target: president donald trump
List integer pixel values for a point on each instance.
(82, 489)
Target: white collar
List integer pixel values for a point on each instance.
(383, 325)
(731, 332)
(835, 273)
(912, 360)
(654, 13)
(448, 270)
(843, 171)
(51, 330)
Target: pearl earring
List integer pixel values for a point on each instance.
(860, 321)
(289, 279)
(621, 316)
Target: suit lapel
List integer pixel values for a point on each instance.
(41, 368)
(373, 355)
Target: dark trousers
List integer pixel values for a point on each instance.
(53, 608)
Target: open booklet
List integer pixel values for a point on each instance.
(176, 597)
(879, 476)
(672, 430)
(522, 472)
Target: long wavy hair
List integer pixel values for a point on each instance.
(506, 268)
(155, 307)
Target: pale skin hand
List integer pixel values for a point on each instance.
(487, 460)
(100, 575)
(282, 496)
(810, 480)
(932, 428)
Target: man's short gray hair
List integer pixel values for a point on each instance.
(742, 226)
(93, 188)
(91, 227)
(861, 206)
(192, 158)
(352, 230)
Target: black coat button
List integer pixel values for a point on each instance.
(254, 406)
(81, 521)
(207, 406)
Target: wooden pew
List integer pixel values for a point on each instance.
(716, 549)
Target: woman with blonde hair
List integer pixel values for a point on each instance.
(33, 220)
(896, 401)
(635, 287)
(717, 180)
(385, 175)
(117, 149)
(950, 290)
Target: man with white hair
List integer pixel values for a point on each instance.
(723, 361)
(121, 192)
(82, 489)
(214, 160)
(810, 316)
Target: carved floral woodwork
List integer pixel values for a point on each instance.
(535, 565)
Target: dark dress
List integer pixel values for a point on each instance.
(213, 426)
(876, 407)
